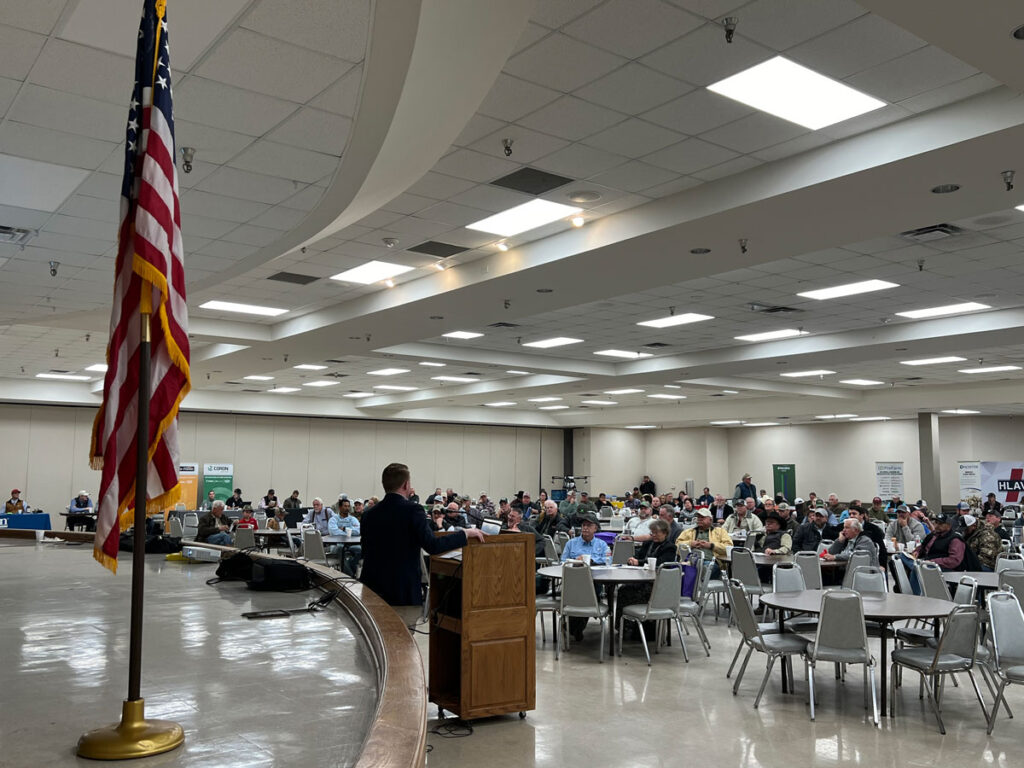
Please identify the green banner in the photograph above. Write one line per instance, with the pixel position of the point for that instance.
(220, 479)
(784, 479)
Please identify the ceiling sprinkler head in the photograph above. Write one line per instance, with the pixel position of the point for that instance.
(1008, 179)
(730, 27)
(389, 242)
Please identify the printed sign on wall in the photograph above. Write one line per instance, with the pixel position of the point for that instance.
(1005, 479)
(220, 479)
(970, 478)
(889, 478)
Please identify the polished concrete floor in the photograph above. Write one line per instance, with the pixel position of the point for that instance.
(248, 693)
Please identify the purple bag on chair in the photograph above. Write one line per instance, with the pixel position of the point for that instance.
(689, 579)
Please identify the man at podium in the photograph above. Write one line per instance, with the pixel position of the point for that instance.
(393, 533)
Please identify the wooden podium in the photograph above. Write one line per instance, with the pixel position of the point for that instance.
(483, 628)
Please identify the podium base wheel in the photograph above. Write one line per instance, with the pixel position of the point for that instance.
(522, 715)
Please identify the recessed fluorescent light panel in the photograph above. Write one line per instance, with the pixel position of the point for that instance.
(553, 408)
(799, 374)
(258, 378)
(622, 391)
(458, 379)
(727, 423)
(282, 390)
(961, 412)
(359, 394)
(98, 367)
(388, 371)
(641, 426)
(310, 367)
(950, 309)
(245, 309)
(558, 341)
(990, 369)
(785, 89)
(667, 396)
(849, 289)
(672, 320)
(600, 402)
(502, 404)
(626, 355)
(761, 424)
(730, 391)
(518, 373)
(433, 365)
(394, 388)
(63, 376)
(371, 272)
(320, 383)
(933, 360)
(838, 416)
(462, 335)
(870, 418)
(544, 399)
(785, 333)
(523, 218)
(861, 382)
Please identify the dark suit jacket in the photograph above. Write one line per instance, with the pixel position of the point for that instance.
(393, 532)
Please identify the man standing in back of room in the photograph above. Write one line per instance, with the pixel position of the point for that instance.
(647, 486)
(293, 501)
(745, 489)
(393, 532)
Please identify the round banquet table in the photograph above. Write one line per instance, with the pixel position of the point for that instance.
(985, 579)
(882, 607)
(613, 575)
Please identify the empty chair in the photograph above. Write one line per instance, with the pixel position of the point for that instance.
(823, 545)
(773, 646)
(622, 551)
(313, 546)
(245, 538)
(545, 603)
(902, 577)
(261, 520)
(174, 529)
(1006, 620)
(191, 528)
(693, 608)
(1011, 561)
(789, 577)
(579, 600)
(856, 560)
(869, 578)
(606, 511)
(745, 570)
(955, 652)
(550, 556)
(180, 506)
(931, 580)
(842, 639)
(663, 606)
(810, 564)
(561, 539)
(1013, 579)
(616, 523)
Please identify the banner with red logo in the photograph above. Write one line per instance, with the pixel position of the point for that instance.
(1005, 479)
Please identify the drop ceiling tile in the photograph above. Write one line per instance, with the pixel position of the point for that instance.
(527, 145)
(554, 13)
(287, 162)
(530, 35)
(697, 112)
(218, 105)
(250, 235)
(312, 129)
(71, 225)
(20, 51)
(633, 89)
(338, 29)
(468, 238)
(728, 168)
(476, 166)
(86, 207)
(305, 200)
(439, 186)
(477, 127)
(27, 218)
(34, 184)
(510, 98)
(194, 201)
(412, 226)
(579, 161)
(56, 241)
(672, 187)
(562, 63)
(197, 226)
(453, 214)
(280, 218)
(689, 156)
(45, 107)
(73, 68)
(378, 219)
(572, 118)
(948, 94)
(224, 249)
(781, 24)
(408, 203)
(753, 132)
(212, 145)
(702, 56)
(710, 9)
(37, 16)
(634, 176)
(917, 72)
(792, 147)
(632, 28)
(623, 203)
(342, 96)
(490, 198)
(247, 185)
(863, 43)
(875, 119)
(271, 66)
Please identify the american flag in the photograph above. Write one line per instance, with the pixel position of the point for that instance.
(149, 277)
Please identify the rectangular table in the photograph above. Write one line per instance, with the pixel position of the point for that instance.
(35, 521)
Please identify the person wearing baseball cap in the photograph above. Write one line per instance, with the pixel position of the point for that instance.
(877, 510)
(983, 541)
(995, 519)
(905, 528)
(812, 530)
(962, 509)
(15, 505)
(943, 546)
(710, 540)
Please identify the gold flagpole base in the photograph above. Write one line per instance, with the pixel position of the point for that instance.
(134, 736)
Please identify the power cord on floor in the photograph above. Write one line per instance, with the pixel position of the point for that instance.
(452, 728)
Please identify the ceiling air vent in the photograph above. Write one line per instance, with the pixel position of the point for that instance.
(770, 309)
(657, 345)
(438, 249)
(251, 390)
(336, 362)
(531, 181)
(293, 277)
(503, 325)
(932, 233)
(16, 235)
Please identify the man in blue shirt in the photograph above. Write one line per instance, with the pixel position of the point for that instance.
(345, 524)
(80, 512)
(575, 549)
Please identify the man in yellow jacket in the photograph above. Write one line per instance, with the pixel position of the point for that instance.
(707, 539)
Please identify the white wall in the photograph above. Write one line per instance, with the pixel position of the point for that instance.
(44, 451)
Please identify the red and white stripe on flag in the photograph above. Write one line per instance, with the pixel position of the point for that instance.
(149, 280)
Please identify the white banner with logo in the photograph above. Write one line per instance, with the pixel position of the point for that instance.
(970, 478)
(889, 478)
(1003, 478)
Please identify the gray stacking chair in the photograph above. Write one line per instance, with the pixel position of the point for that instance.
(313, 547)
(694, 609)
(191, 529)
(1013, 579)
(869, 578)
(955, 652)
(789, 577)
(856, 560)
(773, 646)
(932, 584)
(842, 639)
(174, 529)
(550, 553)
(745, 570)
(543, 604)
(622, 551)
(663, 606)
(579, 600)
(261, 520)
(1007, 624)
(902, 577)
(810, 564)
(561, 539)
(245, 538)
(1011, 561)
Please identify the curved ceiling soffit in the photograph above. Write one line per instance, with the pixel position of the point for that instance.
(408, 113)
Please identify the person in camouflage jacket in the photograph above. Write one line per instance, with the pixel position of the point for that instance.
(983, 541)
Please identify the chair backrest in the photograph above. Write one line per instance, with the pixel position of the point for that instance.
(683, 552)
(960, 634)
(621, 552)
(578, 585)
(244, 538)
(1007, 621)
(744, 568)
(787, 577)
(1013, 579)
(742, 611)
(1011, 561)
(616, 524)
(668, 583)
(902, 577)
(180, 506)
(174, 529)
(929, 576)
(192, 519)
(704, 571)
(606, 511)
(857, 559)
(823, 545)
(810, 564)
(313, 545)
(841, 623)
(261, 520)
(869, 578)
(550, 550)
(966, 589)
(561, 538)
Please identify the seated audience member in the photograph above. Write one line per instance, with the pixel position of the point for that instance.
(789, 522)
(920, 513)
(370, 503)
(528, 506)
(269, 501)
(277, 522)
(602, 501)
(640, 524)
(357, 509)
(293, 501)
(705, 498)
(812, 500)
(503, 509)
(720, 509)
(991, 504)
(435, 498)
(319, 516)
(776, 539)
(905, 529)
(15, 505)
(337, 505)
(800, 510)
(963, 509)
(852, 539)
(207, 504)
(894, 502)
(872, 531)
(686, 510)
(82, 505)
(995, 519)
(567, 507)
(474, 516)
(707, 539)
(454, 518)
(835, 507)
(586, 505)
(663, 551)
(413, 496)
(877, 510)
(667, 513)
(437, 518)
(517, 525)
(485, 505)
(549, 522)
(744, 519)
(541, 498)
(247, 520)
(235, 500)
(983, 541)
(586, 543)
(345, 524)
(811, 532)
(214, 526)
(944, 547)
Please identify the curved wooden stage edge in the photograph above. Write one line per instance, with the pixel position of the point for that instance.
(397, 736)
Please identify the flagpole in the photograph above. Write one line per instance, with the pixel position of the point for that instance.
(135, 736)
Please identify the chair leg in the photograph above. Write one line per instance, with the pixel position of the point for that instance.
(622, 622)
(810, 687)
(682, 643)
(643, 638)
(604, 631)
(990, 682)
(735, 657)
(543, 639)
(764, 680)
(977, 690)
(743, 669)
(995, 707)
(874, 693)
(893, 669)
(934, 704)
(703, 635)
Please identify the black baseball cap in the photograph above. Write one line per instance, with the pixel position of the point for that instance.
(940, 517)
